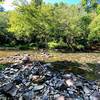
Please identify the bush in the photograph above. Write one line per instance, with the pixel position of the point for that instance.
(13, 43)
(23, 47)
(80, 47)
(52, 45)
(42, 45)
(55, 45)
(32, 45)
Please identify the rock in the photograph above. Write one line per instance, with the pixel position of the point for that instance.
(38, 87)
(59, 84)
(48, 74)
(26, 59)
(28, 95)
(27, 84)
(56, 96)
(16, 66)
(13, 91)
(2, 97)
(37, 78)
(48, 65)
(66, 76)
(7, 87)
(18, 80)
(45, 98)
(95, 96)
(86, 97)
(61, 98)
(71, 92)
(78, 83)
(38, 81)
(69, 82)
(86, 90)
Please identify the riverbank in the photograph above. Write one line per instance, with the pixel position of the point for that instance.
(50, 56)
(86, 64)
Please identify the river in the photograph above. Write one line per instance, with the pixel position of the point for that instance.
(87, 64)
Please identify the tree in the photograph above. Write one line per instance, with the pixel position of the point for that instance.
(1, 0)
(95, 29)
(3, 27)
(90, 5)
(98, 9)
(40, 23)
(66, 25)
(38, 2)
(30, 21)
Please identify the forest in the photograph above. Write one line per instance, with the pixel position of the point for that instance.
(51, 26)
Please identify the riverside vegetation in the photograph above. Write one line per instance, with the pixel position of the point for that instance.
(62, 26)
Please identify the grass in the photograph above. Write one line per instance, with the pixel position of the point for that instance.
(2, 66)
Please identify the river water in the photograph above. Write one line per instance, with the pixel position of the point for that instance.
(86, 64)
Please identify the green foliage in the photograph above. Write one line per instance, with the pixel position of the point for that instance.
(41, 25)
(95, 29)
(23, 47)
(3, 23)
(52, 45)
(4, 34)
(2, 66)
(98, 9)
(90, 5)
(45, 23)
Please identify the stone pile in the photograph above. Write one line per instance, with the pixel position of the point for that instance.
(37, 81)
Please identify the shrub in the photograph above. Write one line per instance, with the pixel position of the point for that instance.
(52, 45)
(23, 47)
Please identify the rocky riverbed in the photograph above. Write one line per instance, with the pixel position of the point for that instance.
(39, 81)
